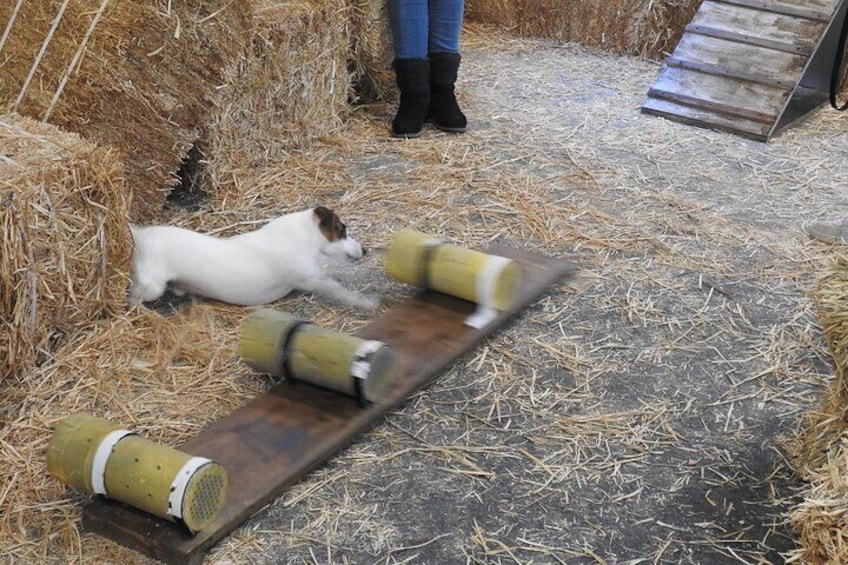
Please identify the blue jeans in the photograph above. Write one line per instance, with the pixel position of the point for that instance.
(420, 27)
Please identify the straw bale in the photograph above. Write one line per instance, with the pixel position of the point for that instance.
(821, 518)
(371, 51)
(65, 242)
(290, 88)
(819, 452)
(825, 426)
(634, 27)
(136, 75)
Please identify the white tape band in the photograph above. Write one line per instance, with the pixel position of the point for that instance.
(361, 365)
(178, 487)
(101, 458)
(485, 286)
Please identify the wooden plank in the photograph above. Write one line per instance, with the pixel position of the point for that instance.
(728, 96)
(826, 6)
(805, 49)
(808, 9)
(272, 442)
(701, 118)
(711, 106)
(760, 25)
(719, 70)
(729, 58)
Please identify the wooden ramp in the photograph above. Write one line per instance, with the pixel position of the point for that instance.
(751, 67)
(273, 441)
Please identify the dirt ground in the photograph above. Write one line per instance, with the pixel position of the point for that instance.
(636, 414)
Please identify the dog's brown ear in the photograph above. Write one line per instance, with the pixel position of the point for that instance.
(325, 216)
(330, 224)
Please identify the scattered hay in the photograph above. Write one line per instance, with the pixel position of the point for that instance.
(165, 377)
(135, 75)
(291, 87)
(65, 242)
(634, 27)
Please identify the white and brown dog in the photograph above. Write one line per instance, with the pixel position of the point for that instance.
(249, 269)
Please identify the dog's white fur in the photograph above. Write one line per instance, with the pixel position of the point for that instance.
(249, 269)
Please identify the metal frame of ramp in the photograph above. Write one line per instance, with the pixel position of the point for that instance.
(750, 67)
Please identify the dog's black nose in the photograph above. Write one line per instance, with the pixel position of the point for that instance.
(364, 251)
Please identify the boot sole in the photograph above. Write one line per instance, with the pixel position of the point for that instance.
(406, 135)
(450, 130)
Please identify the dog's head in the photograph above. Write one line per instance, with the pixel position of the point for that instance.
(335, 232)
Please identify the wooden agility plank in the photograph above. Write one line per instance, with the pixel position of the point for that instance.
(273, 441)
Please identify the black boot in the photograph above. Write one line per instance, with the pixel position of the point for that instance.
(444, 110)
(413, 80)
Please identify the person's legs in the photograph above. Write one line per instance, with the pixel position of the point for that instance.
(443, 48)
(445, 26)
(409, 20)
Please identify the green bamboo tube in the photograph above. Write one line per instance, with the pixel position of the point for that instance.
(141, 473)
(263, 340)
(421, 260)
(100, 458)
(275, 342)
(72, 447)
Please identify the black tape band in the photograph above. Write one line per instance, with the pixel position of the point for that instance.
(424, 267)
(285, 369)
(360, 394)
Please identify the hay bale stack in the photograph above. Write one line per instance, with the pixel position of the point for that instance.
(371, 51)
(65, 246)
(825, 426)
(645, 28)
(291, 87)
(135, 74)
(820, 453)
(820, 519)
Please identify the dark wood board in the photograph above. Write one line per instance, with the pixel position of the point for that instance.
(272, 442)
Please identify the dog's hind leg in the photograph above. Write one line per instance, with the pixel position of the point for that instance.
(334, 290)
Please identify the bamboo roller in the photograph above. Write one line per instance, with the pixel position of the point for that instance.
(490, 281)
(99, 457)
(279, 344)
